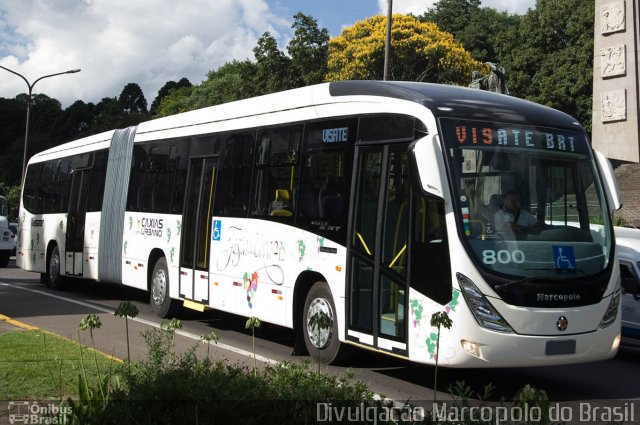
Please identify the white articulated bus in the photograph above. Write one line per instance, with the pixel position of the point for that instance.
(375, 203)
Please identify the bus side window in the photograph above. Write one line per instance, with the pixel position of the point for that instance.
(98, 176)
(31, 197)
(138, 164)
(181, 161)
(156, 194)
(275, 181)
(234, 175)
(430, 266)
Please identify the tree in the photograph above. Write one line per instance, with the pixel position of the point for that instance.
(74, 122)
(549, 57)
(479, 29)
(232, 81)
(420, 52)
(164, 91)
(175, 102)
(452, 16)
(274, 67)
(12, 123)
(132, 99)
(272, 71)
(308, 49)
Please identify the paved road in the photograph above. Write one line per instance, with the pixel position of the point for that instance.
(23, 298)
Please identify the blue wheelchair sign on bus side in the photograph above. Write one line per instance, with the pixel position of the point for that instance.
(216, 229)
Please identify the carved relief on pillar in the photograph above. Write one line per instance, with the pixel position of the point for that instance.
(613, 61)
(614, 105)
(612, 17)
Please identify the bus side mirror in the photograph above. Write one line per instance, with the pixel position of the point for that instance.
(429, 160)
(610, 183)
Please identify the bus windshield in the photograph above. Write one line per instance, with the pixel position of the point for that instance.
(528, 200)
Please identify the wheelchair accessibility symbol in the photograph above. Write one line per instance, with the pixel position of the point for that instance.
(215, 231)
(564, 257)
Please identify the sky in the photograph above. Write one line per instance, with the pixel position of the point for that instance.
(150, 42)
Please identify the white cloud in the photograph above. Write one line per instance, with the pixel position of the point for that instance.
(418, 7)
(115, 42)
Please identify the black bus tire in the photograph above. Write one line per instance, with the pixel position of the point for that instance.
(161, 303)
(55, 279)
(324, 346)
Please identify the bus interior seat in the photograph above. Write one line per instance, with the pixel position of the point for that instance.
(330, 200)
(307, 205)
(281, 204)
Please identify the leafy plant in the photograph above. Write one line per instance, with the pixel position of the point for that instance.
(170, 327)
(207, 339)
(91, 322)
(93, 399)
(320, 321)
(253, 323)
(126, 309)
(529, 397)
(439, 320)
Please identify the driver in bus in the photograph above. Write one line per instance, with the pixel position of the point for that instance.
(512, 217)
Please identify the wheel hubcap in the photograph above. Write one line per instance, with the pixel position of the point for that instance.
(319, 335)
(159, 288)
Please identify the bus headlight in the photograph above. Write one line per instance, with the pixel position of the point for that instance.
(486, 315)
(612, 311)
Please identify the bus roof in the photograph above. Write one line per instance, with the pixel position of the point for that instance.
(442, 100)
(86, 144)
(462, 102)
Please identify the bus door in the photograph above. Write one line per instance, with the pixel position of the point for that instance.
(196, 229)
(378, 233)
(76, 217)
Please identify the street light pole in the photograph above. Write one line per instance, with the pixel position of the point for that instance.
(387, 43)
(29, 101)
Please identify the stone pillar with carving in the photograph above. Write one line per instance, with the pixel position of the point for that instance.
(616, 64)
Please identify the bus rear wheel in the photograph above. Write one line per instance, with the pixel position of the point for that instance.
(161, 303)
(322, 341)
(55, 279)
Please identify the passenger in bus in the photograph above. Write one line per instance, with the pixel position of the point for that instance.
(512, 218)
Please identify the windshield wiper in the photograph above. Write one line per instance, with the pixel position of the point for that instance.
(507, 285)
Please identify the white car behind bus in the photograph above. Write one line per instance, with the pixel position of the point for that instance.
(7, 238)
(628, 243)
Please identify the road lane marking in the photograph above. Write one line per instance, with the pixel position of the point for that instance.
(185, 334)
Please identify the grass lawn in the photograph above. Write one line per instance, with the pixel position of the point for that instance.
(36, 365)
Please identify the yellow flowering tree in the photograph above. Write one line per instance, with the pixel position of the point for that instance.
(420, 51)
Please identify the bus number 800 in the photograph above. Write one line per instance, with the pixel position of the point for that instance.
(503, 256)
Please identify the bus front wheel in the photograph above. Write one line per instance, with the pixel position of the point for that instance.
(320, 326)
(161, 303)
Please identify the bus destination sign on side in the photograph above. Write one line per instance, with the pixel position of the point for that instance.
(333, 135)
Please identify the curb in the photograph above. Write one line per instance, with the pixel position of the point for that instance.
(28, 327)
